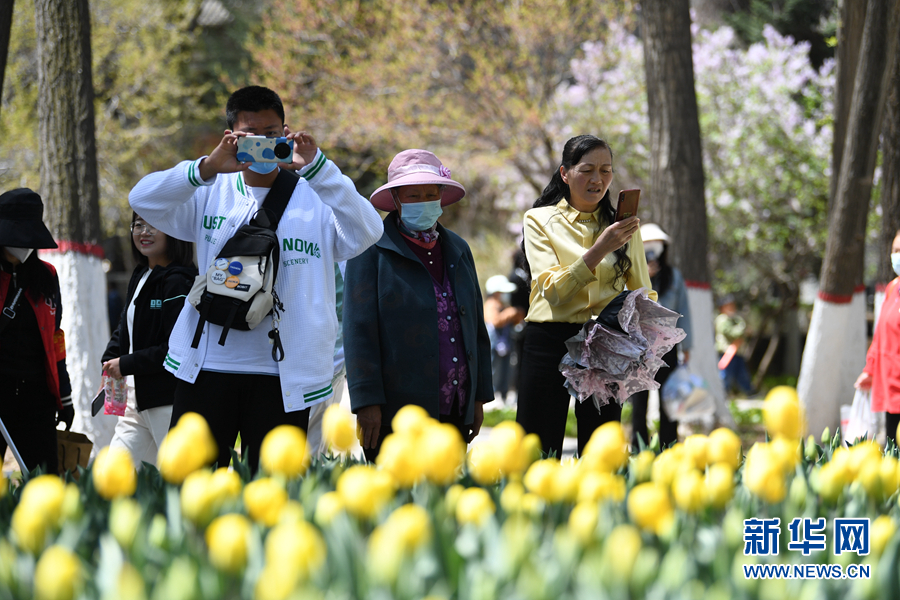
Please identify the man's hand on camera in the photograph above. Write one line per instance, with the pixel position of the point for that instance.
(305, 148)
(224, 158)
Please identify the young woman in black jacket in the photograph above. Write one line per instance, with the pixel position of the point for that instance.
(137, 349)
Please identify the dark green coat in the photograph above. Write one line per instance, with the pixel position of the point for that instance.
(391, 331)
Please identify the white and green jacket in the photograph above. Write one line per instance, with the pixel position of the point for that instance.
(326, 220)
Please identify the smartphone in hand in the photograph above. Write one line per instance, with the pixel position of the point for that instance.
(628, 204)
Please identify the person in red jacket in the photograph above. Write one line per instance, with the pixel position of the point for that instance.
(35, 394)
(882, 371)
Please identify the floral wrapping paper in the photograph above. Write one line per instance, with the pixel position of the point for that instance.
(605, 364)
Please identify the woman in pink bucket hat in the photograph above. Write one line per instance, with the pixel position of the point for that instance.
(414, 328)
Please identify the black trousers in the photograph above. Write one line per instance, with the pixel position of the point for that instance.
(543, 401)
(28, 410)
(668, 430)
(454, 418)
(891, 421)
(232, 403)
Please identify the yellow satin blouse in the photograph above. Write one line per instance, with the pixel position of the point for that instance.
(563, 289)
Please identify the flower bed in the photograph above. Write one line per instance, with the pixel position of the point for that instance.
(696, 521)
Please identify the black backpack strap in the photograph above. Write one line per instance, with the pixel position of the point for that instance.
(205, 303)
(235, 305)
(277, 199)
(9, 313)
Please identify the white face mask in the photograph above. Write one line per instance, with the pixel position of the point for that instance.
(21, 253)
(653, 250)
(895, 262)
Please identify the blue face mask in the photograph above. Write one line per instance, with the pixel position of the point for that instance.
(263, 167)
(421, 216)
(895, 262)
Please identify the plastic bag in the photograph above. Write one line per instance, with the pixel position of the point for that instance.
(116, 395)
(861, 420)
(685, 396)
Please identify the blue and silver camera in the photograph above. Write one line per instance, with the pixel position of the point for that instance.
(259, 148)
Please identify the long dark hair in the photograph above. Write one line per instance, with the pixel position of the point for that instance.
(32, 275)
(663, 280)
(558, 189)
(177, 251)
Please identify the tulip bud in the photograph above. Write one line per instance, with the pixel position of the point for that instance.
(57, 575)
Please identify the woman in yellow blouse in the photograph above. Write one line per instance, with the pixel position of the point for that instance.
(580, 261)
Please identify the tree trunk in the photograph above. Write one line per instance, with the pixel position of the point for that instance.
(6, 14)
(70, 191)
(835, 348)
(676, 168)
(890, 172)
(850, 33)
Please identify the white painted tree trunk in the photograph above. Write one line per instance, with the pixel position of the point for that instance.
(704, 359)
(86, 324)
(834, 356)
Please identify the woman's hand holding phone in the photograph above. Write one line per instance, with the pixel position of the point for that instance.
(611, 239)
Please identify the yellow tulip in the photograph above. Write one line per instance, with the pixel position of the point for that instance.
(724, 447)
(484, 463)
(113, 473)
(719, 485)
(829, 482)
(696, 446)
(4, 484)
(444, 453)
(264, 499)
(58, 575)
(511, 497)
(297, 547)
(787, 451)
(474, 506)
(275, 583)
(689, 491)
(451, 498)
(669, 464)
(890, 477)
(532, 504)
(328, 507)
(782, 413)
(195, 428)
(529, 451)
(187, 447)
(30, 528)
(764, 473)
(410, 419)
(224, 485)
(7, 563)
(650, 508)
(600, 487)
(337, 428)
(71, 509)
(861, 454)
(541, 479)
(284, 452)
(506, 439)
(410, 525)
(196, 501)
(642, 466)
(883, 529)
(226, 538)
(384, 556)
(565, 482)
(130, 585)
(365, 491)
(400, 456)
(291, 512)
(124, 519)
(583, 522)
(45, 495)
(607, 449)
(621, 549)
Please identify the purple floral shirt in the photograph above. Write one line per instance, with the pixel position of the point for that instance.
(453, 370)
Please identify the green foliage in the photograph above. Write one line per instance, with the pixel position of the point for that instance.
(813, 21)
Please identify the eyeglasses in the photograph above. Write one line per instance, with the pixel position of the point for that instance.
(142, 228)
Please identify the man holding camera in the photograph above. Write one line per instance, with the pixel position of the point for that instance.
(239, 386)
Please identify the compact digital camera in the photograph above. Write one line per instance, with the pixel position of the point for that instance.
(258, 148)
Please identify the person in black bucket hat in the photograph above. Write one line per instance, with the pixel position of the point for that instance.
(35, 393)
